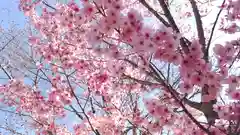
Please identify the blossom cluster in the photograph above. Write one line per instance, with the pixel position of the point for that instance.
(111, 50)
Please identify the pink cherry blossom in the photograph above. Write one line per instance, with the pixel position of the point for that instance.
(118, 74)
(186, 87)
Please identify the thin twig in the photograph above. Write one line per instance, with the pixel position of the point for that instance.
(8, 43)
(11, 130)
(139, 81)
(21, 114)
(4, 70)
(82, 109)
(46, 4)
(238, 54)
(212, 31)
(168, 72)
(76, 112)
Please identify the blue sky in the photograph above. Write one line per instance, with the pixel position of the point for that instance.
(9, 13)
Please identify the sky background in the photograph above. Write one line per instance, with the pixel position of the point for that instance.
(9, 13)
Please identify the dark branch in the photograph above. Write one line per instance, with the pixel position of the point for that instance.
(78, 102)
(212, 31)
(76, 112)
(173, 24)
(234, 60)
(5, 71)
(168, 15)
(199, 26)
(176, 97)
(11, 130)
(192, 104)
(154, 12)
(7, 43)
(46, 4)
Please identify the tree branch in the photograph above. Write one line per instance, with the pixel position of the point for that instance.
(173, 25)
(76, 112)
(199, 26)
(8, 43)
(212, 31)
(21, 114)
(46, 4)
(154, 12)
(192, 104)
(168, 15)
(235, 59)
(4, 70)
(11, 130)
(139, 81)
(175, 96)
(82, 109)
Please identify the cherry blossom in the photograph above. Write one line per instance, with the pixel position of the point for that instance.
(105, 60)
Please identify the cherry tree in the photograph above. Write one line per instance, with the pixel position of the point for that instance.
(17, 61)
(104, 57)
